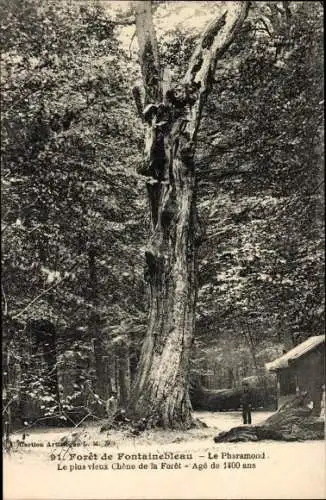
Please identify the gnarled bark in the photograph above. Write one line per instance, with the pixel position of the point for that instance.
(160, 394)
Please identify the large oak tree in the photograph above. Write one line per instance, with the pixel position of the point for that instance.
(172, 117)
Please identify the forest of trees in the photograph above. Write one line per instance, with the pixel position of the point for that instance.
(162, 200)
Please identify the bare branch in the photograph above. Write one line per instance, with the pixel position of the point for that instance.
(124, 22)
(5, 303)
(263, 21)
(214, 42)
(166, 82)
(148, 51)
(131, 42)
(4, 228)
(44, 292)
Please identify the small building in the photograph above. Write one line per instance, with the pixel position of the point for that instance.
(302, 369)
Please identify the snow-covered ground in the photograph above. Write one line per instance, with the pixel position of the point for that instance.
(189, 465)
(223, 421)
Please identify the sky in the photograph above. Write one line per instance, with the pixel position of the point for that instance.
(187, 16)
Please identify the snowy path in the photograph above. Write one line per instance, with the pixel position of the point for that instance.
(284, 470)
(223, 421)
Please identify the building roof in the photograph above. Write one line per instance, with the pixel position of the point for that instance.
(295, 353)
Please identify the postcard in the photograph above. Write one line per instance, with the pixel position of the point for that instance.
(163, 250)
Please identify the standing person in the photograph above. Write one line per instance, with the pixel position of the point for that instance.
(246, 404)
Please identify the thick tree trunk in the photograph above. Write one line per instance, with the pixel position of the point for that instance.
(124, 375)
(162, 383)
(103, 384)
(45, 340)
(95, 324)
(171, 119)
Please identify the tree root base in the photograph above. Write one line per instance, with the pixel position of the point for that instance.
(138, 425)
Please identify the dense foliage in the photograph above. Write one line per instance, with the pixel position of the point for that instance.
(260, 189)
(70, 237)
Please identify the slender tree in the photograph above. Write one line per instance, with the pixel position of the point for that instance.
(172, 117)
